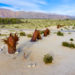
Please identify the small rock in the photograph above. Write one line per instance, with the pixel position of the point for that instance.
(0, 49)
(29, 66)
(34, 65)
(16, 52)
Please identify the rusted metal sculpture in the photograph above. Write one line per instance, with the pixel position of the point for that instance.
(11, 42)
(59, 26)
(46, 32)
(16, 37)
(36, 35)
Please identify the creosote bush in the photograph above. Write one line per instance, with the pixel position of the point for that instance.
(60, 33)
(42, 32)
(70, 45)
(71, 39)
(47, 59)
(22, 34)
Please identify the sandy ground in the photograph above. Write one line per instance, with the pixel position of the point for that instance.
(17, 64)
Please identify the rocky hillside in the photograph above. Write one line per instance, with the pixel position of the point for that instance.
(22, 14)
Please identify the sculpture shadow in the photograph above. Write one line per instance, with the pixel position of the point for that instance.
(25, 48)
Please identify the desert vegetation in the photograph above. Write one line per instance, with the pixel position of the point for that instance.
(10, 21)
(29, 35)
(22, 34)
(47, 59)
(67, 44)
(59, 33)
(59, 26)
(26, 51)
(41, 31)
(71, 39)
(35, 23)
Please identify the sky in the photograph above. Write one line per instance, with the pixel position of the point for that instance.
(64, 7)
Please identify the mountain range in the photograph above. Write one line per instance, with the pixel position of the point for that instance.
(30, 15)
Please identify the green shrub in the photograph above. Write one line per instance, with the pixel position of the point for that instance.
(47, 59)
(29, 35)
(71, 39)
(61, 29)
(60, 33)
(10, 21)
(42, 32)
(22, 34)
(65, 44)
(70, 45)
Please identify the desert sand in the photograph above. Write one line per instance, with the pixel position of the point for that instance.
(32, 53)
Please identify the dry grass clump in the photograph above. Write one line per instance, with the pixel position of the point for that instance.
(29, 35)
(22, 34)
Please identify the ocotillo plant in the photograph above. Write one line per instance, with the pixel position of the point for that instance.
(11, 42)
(46, 32)
(36, 35)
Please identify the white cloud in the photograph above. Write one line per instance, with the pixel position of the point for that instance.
(35, 5)
(24, 4)
(64, 9)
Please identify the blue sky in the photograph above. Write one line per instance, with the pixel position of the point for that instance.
(65, 7)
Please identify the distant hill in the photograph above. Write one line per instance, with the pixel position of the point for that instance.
(22, 14)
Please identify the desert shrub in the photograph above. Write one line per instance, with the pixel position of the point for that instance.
(16, 26)
(47, 59)
(60, 33)
(69, 33)
(70, 45)
(42, 32)
(2, 26)
(66, 28)
(71, 39)
(65, 44)
(22, 34)
(29, 35)
(73, 27)
(61, 29)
